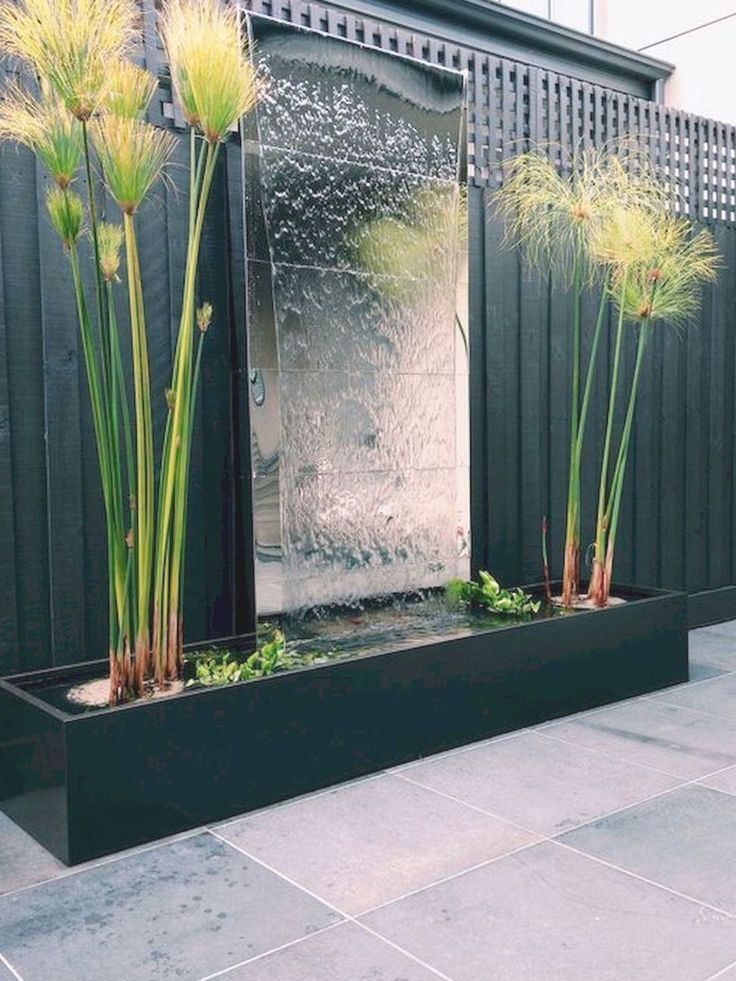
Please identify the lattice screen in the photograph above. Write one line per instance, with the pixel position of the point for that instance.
(513, 105)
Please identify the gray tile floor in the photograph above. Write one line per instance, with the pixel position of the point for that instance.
(595, 848)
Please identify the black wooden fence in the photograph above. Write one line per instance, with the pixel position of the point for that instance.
(678, 526)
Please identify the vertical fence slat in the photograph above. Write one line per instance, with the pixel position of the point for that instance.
(696, 442)
(242, 548)
(503, 398)
(8, 597)
(63, 365)
(215, 419)
(720, 432)
(672, 453)
(18, 221)
(534, 356)
(478, 387)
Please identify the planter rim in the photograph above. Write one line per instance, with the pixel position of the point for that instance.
(21, 685)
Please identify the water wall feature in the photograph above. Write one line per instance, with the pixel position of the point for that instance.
(358, 361)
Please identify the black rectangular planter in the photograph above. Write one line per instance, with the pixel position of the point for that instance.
(86, 785)
(711, 606)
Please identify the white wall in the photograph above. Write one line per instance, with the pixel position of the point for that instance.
(683, 33)
(571, 13)
(699, 38)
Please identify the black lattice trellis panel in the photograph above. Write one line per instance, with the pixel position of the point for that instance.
(512, 105)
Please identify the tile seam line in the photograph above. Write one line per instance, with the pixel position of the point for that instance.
(620, 759)
(585, 713)
(644, 697)
(666, 773)
(281, 805)
(718, 790)
(719, 974)
(544, 728)
(368, 777)
(611, 756)
(538, 839)
(689, 708)
(6, 963)
(272, 950)
(601, 817)
(68, 873)
(451, 877)
(551, 840)
(459, 750)
(216, 826)
(642, 878)
(539, 835)
(354, 919)
(347, 917)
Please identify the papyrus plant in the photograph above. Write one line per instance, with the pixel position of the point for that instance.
(89, 109)
(658, 267)
(553, 215)
(214, 80)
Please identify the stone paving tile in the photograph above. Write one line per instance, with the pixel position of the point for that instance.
(549, 914)
(728, 975)
(23, 862)
(724, 781)
(362, 845)
(184, 910)
(447, 754)
(726, 629)
(711, 650)
(540, 783)
(683, 840)
(345, 953)
(5, 974)
(700, 672)
(716, 696)
(650, 732)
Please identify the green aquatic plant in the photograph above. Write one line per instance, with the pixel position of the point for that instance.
(133, 154)
(659, 265)
(214, 80)
(215, 667)
(554, 215)
(222, 667)
(44, 125)
(489, 594)
(70, 44)
(128, 90)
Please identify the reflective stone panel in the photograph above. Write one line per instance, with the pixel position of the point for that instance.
(358, 382)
